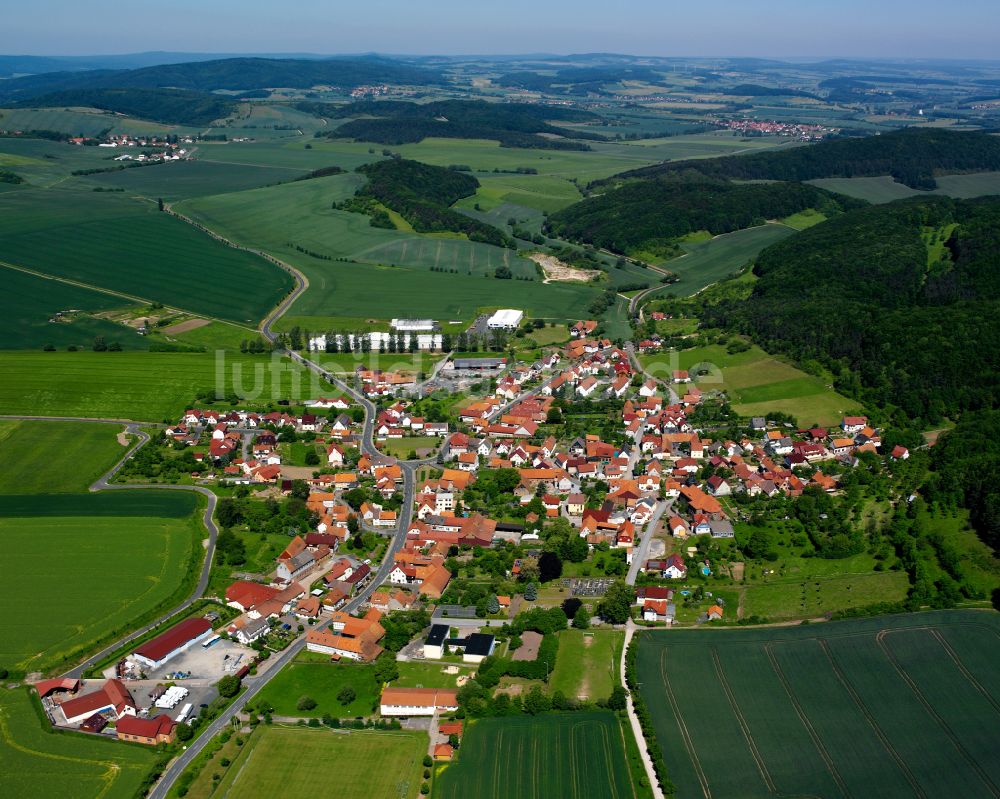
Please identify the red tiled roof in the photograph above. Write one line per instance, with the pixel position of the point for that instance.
(175, 637)
(145, 728)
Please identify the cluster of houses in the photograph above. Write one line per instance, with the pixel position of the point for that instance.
(397, 421)
(243, 446)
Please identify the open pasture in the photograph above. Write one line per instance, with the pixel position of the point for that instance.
(362, 764)
(122, 244)
(280, 218)
(44, 163)
(79, 121)
(708, 262)
(885, 189)
(29, 304)
(755, 382)
(109, 572)
(898, 706)
(55, 457)
(566, 755)
(152, 386)
(322, 682)
(196, 178)
(36, 763)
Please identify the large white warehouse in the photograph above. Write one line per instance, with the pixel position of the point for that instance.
(505, 319)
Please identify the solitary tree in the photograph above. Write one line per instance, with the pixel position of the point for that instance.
(305, 703)
(229, 686)
(347, 695)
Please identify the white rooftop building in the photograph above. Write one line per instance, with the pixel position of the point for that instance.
(413, 325)
(505, 319)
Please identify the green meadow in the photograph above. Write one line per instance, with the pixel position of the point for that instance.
(362, 764)
(380, 273)
(151, 386)
(30, 303)
(33, 762)
(55, 533)
(756, 382)
(322, 682)
(885, 189)
(183, 179)
(84, 122)
(55, 457)
(109, 241)
(710, 261)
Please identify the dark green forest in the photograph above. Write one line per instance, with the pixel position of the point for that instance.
(512, 124)
(966, 471)
(228, 73)
(171, 106)
(899, 301)
(421, 194)
(911, 156)
(647, 215)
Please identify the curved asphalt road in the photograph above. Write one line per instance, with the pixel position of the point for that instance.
(253, 684)
(104, 483)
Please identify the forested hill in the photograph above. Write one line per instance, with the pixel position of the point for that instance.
(422, 194)
(900, 301)
(966, 462)
(646, 215)
(228, 73)
(512, 124)
(912, 156)
(172, 106)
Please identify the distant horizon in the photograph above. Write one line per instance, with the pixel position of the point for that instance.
(853, 29)
(791, 59)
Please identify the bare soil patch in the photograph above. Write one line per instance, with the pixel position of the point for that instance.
(556, 270)
(185, 326)
(530, 644)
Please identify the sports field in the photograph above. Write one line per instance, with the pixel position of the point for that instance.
(155, 386)
(29, 305)
(38, 764)
(587, 665)
(322, 682)
(565, 755)
(899, 706)
(113, 242)
(756, 382)
(55, 457)
(360, 764)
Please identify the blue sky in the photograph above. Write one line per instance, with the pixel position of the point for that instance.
(778, 28)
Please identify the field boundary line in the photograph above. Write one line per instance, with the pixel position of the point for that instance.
(870, 718)
(682, 727)
(915, 689)
(965, 672)
(744, 727)
(817, 741)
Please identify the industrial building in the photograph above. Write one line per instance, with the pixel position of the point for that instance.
(505, 319)
(155, 653)
(414, 325)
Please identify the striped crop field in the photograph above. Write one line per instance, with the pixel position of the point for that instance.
(565, 755)
(897, 706)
